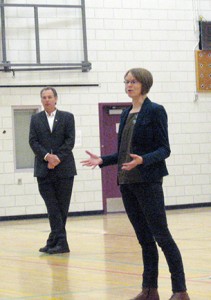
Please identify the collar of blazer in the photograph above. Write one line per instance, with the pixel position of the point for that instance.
(141, 115)
(45, 120)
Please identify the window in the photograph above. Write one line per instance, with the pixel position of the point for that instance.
(24, 157)
(43, 37)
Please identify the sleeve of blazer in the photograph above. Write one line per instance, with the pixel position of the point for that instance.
(38, 149)
(161, 141)
(109, 160)
(69, 137)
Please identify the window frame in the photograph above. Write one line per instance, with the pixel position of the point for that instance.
(36, 108)
(7, 66)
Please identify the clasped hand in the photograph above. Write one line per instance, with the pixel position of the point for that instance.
(53, 161)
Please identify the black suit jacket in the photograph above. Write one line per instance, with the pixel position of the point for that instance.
(60, 142)
(149, 140)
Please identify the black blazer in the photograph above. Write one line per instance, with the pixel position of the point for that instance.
(60, 142)
(149, 140)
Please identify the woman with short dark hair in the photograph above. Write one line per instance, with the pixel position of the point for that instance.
(143, 146)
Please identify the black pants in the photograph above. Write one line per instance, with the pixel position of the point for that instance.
(144, 204)
(56, 192)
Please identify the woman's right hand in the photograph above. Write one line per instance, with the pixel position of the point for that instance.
(92, 161)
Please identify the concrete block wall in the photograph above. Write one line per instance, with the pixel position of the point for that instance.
(155, 34)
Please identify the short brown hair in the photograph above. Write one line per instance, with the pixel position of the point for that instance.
(144, 77)
(49, 88)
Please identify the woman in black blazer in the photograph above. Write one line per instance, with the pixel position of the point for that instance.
(143, 146)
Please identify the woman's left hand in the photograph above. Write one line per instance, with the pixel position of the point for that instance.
(136, 160)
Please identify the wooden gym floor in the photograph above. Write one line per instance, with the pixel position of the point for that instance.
(105, 258)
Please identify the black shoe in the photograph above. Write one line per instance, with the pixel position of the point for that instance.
(44, 249)
(58, 249)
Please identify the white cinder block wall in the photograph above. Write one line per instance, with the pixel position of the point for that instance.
(159, 35)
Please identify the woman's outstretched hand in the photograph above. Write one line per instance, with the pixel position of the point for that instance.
(92, 161)
(136, 160)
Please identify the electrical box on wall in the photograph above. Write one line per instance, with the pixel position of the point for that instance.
(205, 35)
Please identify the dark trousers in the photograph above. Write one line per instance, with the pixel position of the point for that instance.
(144, 204)
(56, 192)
